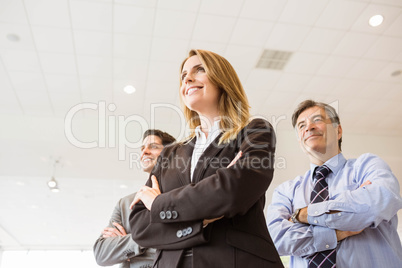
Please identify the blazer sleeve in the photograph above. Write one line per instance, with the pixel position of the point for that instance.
(113, 250)
(228, 192)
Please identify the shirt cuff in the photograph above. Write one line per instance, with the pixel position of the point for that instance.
(324, 238)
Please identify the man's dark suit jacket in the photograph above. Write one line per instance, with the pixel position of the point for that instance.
(175, 222)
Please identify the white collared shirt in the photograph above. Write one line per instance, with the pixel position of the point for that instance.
(202, 143)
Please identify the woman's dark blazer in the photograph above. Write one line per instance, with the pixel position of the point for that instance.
(175, 222)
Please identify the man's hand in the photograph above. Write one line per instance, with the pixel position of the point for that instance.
(113, 232)
(340, 235)
(147, 194)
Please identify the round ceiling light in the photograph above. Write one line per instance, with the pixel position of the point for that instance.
(13, 37)
(129, 89)
(396, 73)
(376, 20)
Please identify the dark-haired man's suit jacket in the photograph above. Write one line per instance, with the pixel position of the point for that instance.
(175, 222)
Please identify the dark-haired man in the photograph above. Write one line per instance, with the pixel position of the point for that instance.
(115, 245)
(340, 213)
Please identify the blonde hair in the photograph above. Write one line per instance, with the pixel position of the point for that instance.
(233, 104)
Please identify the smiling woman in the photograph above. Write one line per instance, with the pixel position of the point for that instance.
(210, 213)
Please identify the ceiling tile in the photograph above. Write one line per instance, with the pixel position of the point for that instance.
(297, 63)
(93, 43)
(162, 91)
(219, 48)
(261, 80)
(12, 11)
(321, 40)
(38, 109)
(65, 101)
(130, 69)
(280, 99)
(95, 89)
(20, 60)
(355, 44)
(10, 107)
(170, 24)
(392, 92)
(57, 83)
(340, 14)
(395, 28)
(27, 81)
(292, 83)
(183, 5)
(242, 35)
(164, 71)
(138, 3)
(388, 12)
(385, 73)
(388, 2)
(22, 31)
(169, 49)
(220, 7)
(336, 66)
(245, 56)
(133, 20)
(365, 68)
(91, 15)
(321, 85)
(351, 88)
(303, 12)
(53, 13)
(262, 9)
(58, 63)
(386, 48)
(33, 98)
(94, 66)
(213, 28)
(53, 39)
(287, 37)
(380, 90)
(132, 46)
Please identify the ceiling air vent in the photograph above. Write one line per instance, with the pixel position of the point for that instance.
(274, 59)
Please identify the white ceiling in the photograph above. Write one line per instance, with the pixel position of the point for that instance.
(71, 52)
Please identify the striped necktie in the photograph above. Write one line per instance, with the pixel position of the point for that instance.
(327, 258)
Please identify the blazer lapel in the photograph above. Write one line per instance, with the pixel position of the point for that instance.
(183, 162)
(206, 157)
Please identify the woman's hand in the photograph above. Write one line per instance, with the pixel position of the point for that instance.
(147, 194)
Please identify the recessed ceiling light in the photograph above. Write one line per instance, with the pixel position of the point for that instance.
(129, 89)
(376, 20)
(396, 73)
(123, 186)
(13, 37)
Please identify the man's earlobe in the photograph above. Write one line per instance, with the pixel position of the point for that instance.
(339, 131)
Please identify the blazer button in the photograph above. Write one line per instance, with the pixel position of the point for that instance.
(184, 231)
(168, 214)
(162, 215)
(174, 214)
(179, 233)
(189, 230)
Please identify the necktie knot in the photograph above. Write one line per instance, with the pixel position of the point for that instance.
(321, 172)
